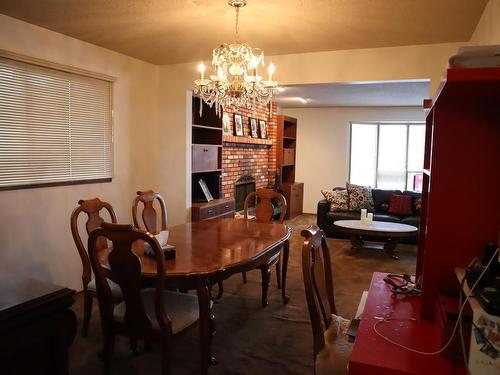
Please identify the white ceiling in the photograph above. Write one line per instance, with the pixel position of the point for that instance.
(358, 94)
(173, 31)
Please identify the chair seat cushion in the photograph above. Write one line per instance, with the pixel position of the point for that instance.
(181, 308)
(115, 288)
(333, 359)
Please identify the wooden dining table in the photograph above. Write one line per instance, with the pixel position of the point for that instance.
(210, 251)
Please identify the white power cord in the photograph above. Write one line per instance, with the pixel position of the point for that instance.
(415, 319)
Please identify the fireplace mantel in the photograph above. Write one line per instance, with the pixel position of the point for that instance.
(246, 140)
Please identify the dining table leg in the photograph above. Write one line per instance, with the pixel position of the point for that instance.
(286, 250)
(206, 326)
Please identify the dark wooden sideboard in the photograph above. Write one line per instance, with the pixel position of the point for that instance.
(218, 208)
(36, 326)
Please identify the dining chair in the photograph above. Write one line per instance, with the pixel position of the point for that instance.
(149, 218)
(149, 314)
(92, 208)
(264, 213)
(149, 215)
(331, 347)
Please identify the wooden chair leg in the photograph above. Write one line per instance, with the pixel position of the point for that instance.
(87, 312)
(278, 273)
(220, 286)
(213, 360)
(266, 275)
(244, 274)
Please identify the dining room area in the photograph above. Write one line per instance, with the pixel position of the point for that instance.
(243, 333)
(243, 187)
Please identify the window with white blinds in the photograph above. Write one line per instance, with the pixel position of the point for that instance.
(55, 126)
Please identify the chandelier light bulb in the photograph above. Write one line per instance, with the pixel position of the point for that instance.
(201, 69)
(271, 71)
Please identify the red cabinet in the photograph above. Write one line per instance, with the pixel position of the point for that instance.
(461, 195)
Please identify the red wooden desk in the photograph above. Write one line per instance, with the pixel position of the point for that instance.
(372, 355)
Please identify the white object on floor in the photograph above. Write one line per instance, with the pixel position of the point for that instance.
(362, 303)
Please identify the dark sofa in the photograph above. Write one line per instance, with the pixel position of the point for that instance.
(381, 199)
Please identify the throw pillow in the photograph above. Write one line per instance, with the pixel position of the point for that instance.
(339, 199)
(359, 197)
(417, 205)
(400, 205)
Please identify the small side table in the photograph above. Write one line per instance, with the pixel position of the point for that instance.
(36, 326)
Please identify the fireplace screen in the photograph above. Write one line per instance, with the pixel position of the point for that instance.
(242, 187)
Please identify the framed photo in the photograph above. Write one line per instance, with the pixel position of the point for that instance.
(263, 128)
(238, 124)
(253, 127)
(226, 124)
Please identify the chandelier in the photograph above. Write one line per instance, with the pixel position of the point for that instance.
(235, 80)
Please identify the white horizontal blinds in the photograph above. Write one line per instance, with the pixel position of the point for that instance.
(54, 126)
(90, 128)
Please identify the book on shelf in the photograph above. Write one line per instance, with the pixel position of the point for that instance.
(206, 192)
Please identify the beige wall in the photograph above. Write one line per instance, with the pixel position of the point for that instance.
(34, 230)
(488, 28)
(323, 143)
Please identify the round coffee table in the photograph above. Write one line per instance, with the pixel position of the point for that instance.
(390, 233)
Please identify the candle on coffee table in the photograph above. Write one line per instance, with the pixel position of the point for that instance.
(369, 218)
(363, 216)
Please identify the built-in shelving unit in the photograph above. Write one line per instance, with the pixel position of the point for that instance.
(206, 164)
(285, 162)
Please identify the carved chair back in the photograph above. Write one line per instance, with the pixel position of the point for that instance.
(93, 208)
(149, 214)
(125, 270)
(264, 209)
(318, 283)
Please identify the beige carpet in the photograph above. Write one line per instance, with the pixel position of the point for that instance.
(250, 339)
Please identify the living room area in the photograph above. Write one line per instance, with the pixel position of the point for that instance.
(299, 205)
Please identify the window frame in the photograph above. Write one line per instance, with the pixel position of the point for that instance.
(75, 71)
(377, 124)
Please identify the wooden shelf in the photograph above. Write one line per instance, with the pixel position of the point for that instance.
(205, 144)
(246, 140)
(290, 138)
(207, 127)
(208, 170)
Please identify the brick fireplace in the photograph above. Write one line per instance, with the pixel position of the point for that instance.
(246, 156)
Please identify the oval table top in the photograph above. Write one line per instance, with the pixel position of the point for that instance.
(210, 246)
(376, 227)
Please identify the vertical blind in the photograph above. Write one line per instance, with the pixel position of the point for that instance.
(55, 126)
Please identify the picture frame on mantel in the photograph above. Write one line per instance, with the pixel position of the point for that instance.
(253, 127)
(263, 129)
(238, 124)
(226, 124)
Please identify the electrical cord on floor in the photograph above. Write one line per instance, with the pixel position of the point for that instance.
(415, 319)
(462, 341)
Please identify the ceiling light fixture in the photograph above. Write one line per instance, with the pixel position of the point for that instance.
(236, 80)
